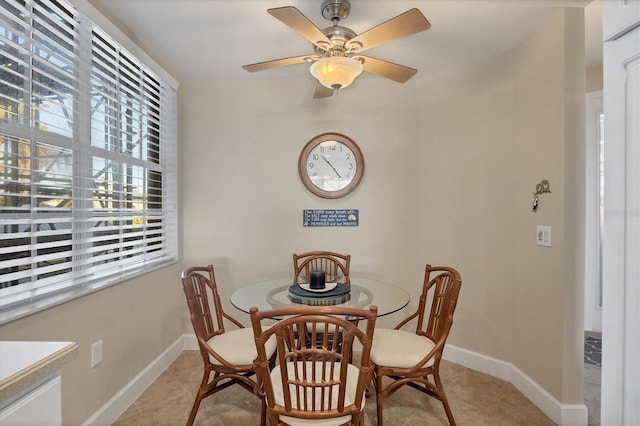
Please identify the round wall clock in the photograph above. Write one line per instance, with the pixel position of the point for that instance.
(331, 165)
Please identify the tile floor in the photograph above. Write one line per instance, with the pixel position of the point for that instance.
(476, 399)
(593, 350)
(591, 392)
(592, 367)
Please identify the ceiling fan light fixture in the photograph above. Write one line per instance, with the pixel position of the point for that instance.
(336, 72)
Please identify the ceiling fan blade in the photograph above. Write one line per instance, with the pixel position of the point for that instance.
(322, 91)
(395, 72)
(293, 18)
(410, 22)
(260, 66)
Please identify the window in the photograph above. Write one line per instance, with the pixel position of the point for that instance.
(88, 182)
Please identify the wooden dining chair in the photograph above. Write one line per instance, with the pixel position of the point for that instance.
(314, 382)
(411, 358)
(227, 354)
(334, 265)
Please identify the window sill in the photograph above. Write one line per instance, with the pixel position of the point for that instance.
(15, 312)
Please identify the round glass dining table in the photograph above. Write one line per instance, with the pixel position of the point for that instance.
(266, 295)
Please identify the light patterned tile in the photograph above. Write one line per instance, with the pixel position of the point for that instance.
(513, 409)
(476, 399)
(132, 417)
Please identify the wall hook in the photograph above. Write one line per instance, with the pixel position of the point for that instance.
(541, 188)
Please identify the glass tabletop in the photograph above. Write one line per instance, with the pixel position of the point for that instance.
(364, 292)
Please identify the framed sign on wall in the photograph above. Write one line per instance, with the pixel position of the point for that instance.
(334, 217)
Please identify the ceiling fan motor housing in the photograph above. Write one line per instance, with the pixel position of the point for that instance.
(339, 36)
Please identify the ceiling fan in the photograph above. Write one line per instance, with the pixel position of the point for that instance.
(338, 58)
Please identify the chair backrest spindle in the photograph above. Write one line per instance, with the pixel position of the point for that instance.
(335, 266)
(314, 379)
(438, 291)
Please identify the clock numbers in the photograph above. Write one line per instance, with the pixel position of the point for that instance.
(330, 165)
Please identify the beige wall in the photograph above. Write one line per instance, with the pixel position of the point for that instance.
(594, 79)
(451, 162)
(488, 135)
(243, 199)
(466, 196)
(549, 115)
(137, 320)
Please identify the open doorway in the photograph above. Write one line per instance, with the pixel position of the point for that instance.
(594, 210)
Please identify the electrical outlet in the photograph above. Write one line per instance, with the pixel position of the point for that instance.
(96, 353)
(543, 236)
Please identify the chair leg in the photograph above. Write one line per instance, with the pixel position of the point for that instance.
(443, 399)
(202, 391)
(378, 389)
(263, 412)
(194, 409)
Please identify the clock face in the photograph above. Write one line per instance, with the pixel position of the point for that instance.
(331, 165)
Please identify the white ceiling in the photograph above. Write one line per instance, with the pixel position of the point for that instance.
(212, 39)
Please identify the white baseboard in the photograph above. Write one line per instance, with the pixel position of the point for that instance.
(561, 414)
(190, 342)
(110, 411)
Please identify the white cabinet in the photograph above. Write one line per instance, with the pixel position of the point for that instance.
(621, 16)
(621, 248)
(30, 382)
(41, 405)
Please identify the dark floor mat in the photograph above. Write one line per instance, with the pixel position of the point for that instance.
(593, 350)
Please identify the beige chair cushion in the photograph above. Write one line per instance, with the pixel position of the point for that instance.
(238, 346)
(399, 348)
(352, 382)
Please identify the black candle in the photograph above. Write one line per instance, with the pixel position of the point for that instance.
(316, 280)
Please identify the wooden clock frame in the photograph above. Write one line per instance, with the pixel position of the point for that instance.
(315, 141)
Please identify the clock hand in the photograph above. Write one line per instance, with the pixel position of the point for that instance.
(334, 169)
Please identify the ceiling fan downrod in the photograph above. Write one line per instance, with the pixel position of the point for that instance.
(335, 10)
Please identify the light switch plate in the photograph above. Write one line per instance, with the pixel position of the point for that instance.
(96, 353)
(543, 236)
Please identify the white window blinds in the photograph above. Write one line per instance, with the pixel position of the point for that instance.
(87, 159)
